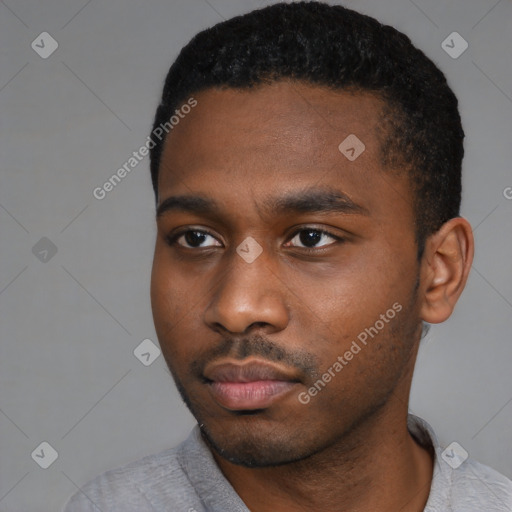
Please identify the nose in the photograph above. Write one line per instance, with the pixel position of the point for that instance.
(248, 295)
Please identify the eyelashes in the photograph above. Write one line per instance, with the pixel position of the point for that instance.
(192, 239)
(317, 232)
(173, 239)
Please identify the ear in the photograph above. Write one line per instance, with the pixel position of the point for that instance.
(445, 267)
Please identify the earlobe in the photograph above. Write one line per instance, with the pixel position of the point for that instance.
(445, 267)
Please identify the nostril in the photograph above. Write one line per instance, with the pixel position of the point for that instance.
(255, 325)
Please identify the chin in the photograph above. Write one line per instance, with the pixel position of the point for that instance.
(257, 438)
(252, 446)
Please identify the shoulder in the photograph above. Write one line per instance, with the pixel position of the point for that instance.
(481, 487)
(152, 483)
(460, 483)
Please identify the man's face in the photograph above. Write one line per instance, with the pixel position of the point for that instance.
(294, 254)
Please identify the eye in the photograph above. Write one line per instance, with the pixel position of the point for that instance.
(310, 238)
(193, 239)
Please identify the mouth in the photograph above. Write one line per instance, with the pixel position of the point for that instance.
(249, 386)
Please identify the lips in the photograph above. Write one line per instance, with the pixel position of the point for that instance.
(249, 386)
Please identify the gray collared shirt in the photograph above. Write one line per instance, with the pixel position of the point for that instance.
(187, 479)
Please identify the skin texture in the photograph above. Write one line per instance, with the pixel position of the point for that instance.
(300, 309)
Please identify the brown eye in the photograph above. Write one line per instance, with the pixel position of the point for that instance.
(193, 239)
(313, 238)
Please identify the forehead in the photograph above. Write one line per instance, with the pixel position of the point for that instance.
(243, 146)
(285, 124)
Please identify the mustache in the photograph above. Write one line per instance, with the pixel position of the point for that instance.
(257, 345)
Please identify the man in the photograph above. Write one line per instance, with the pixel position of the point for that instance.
(307, 194)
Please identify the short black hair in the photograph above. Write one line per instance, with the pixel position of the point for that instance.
(338, 48)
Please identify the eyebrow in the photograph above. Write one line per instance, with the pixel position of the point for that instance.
(317, 200)
(192, 204)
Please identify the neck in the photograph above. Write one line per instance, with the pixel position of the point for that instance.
(376, 466)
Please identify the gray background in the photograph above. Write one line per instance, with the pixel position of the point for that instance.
(69, 325)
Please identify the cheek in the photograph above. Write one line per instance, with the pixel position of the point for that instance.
(346, 298)
(360, 365)
(171, 293)
(176, 302)
(160, 291)
(362, 306)
(170, 301)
